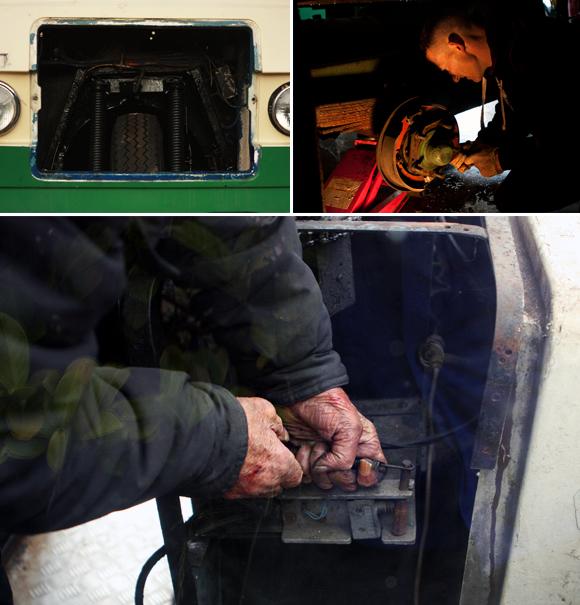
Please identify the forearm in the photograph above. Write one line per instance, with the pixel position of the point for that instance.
(131, 435)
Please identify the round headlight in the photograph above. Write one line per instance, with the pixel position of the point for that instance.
(279, 108)
(9, 108)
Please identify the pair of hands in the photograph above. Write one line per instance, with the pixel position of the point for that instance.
(329, 432)
(483, 157)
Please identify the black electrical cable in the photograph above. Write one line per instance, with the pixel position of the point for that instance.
(251, 553)
(431, 439)
(145, 571)
(209, 525)
(428, 482)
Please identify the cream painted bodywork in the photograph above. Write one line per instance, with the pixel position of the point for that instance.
(21, 134)
(544, 562)
(270, 20)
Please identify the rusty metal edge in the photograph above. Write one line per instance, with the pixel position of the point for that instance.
(495, 510)
(348, 225)
(501, 375)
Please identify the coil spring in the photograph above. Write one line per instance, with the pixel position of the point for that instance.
(97, 145)
(176, 127)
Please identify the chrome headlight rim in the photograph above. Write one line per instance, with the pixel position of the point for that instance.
(274, 99)
(16, 115)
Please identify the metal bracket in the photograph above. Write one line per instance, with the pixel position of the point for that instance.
(364, 518)
(314, 516)
(438, 227)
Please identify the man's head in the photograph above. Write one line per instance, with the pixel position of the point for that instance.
(458, 46)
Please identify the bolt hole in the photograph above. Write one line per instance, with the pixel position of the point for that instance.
(508, 351)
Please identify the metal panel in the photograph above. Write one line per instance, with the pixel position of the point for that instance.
(352, 224)
(494, 517)
(386, 489)
(501, 376)
(543, 565)
(270, 19)
(298, 528)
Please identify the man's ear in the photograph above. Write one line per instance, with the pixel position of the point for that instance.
(456, 42)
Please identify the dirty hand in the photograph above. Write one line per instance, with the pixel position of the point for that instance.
(483, 157)
(269, 465)
(331, 433)
(465, 150)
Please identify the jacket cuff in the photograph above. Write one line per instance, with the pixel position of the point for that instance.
(225, 463)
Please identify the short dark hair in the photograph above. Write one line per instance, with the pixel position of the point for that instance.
(470, 13)
(520, 14)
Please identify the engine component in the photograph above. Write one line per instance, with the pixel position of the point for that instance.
(176, 126)
(310, 515)
(97, 148)
(314, 516)
(192, 82)
(417, 141)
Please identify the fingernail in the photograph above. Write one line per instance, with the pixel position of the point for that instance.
(365, 468)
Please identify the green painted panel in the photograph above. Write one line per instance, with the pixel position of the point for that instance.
(269, 191)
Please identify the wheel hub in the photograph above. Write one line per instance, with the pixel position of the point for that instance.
(417, 141)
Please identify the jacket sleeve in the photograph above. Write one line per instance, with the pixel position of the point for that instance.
(98, 439)
(262, 302)
(78, 439)
(540, 86)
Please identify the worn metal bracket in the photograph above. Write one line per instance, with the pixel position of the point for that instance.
(300, 528)
(348, 224)
(314, 516)
(386, 489)
(364, 519)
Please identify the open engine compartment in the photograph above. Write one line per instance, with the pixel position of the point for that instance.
(144, 99)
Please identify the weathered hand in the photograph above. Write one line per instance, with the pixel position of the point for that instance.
(331, 433)
(459, 158)
(485, 159)
(269, 465)
(458, 162)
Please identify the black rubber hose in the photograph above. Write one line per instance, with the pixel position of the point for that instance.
(176, 126)
(145, 571)
(98, 125)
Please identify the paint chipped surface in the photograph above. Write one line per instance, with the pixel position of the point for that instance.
(269, 19)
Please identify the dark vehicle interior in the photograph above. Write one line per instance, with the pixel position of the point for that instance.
(355, 63)
(398, 301)
(138, 99)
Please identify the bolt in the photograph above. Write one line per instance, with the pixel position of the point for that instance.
(405, 475)
(400, 518)
(391, 582)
